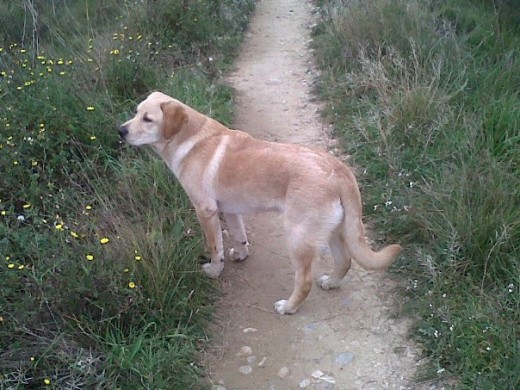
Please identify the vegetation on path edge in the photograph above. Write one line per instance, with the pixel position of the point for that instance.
(425, 97)
(99, 247)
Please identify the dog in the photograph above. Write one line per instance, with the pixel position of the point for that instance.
(230, 172)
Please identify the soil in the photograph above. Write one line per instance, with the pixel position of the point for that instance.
(339, 339)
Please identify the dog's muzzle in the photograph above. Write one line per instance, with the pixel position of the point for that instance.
(123, 132)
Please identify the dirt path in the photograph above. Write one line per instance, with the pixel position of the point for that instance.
(346, 334)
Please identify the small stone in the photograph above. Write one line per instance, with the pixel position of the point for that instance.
(305, 383)
(273, 82)
(245, 351)
(317, 374)
(251, 359)
(250, 330)
(246, 370)
(343, 359)
(309, 327)
(328, 379)
(283, 372)
(261, 364)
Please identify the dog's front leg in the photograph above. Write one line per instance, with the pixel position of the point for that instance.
(210, 222)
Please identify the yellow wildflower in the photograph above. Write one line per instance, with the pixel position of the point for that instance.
(131, 285)
(21, 266)
(47, 381)
(74, 234)
(90, 108)
(104, 240)
(59, 227)
(10, 265)
(89, 257)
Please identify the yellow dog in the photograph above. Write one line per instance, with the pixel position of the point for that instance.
(229, 171)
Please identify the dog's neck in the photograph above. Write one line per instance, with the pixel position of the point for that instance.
(174, 150)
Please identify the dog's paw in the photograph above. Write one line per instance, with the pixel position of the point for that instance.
(326, 283)
(238, 255)
(211, 270)
(281, 307)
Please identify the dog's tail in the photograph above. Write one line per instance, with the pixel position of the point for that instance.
(354, 233)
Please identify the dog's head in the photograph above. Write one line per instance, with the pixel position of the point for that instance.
(158, 118)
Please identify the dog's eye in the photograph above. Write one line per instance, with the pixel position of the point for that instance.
(147, 119)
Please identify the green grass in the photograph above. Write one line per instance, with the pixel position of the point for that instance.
(99, 247)
(425, 97)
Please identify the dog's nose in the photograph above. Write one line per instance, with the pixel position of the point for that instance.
(123, 131)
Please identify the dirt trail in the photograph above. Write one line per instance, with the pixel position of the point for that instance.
(346, 333)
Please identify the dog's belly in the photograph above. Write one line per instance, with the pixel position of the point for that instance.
(249, 206)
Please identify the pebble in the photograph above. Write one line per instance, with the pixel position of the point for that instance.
(262, 362)
(250, 330)
(283, 372)
(309, 327)
(245, 351)
(246, 370)
(251, 359)
(343, 359)
(305, 383)
(317, 374)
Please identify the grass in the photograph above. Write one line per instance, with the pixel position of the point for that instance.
(425, 97)
(99, 247)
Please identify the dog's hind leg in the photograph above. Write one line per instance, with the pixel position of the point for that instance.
(302, 247)
(342, 261)
(301, 257)
(236, 227)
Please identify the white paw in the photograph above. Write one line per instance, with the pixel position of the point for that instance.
(280, 306)
(211, 270)
(326, 283)
(236, 255)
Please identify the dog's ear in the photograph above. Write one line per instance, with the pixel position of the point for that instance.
(174, 116)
